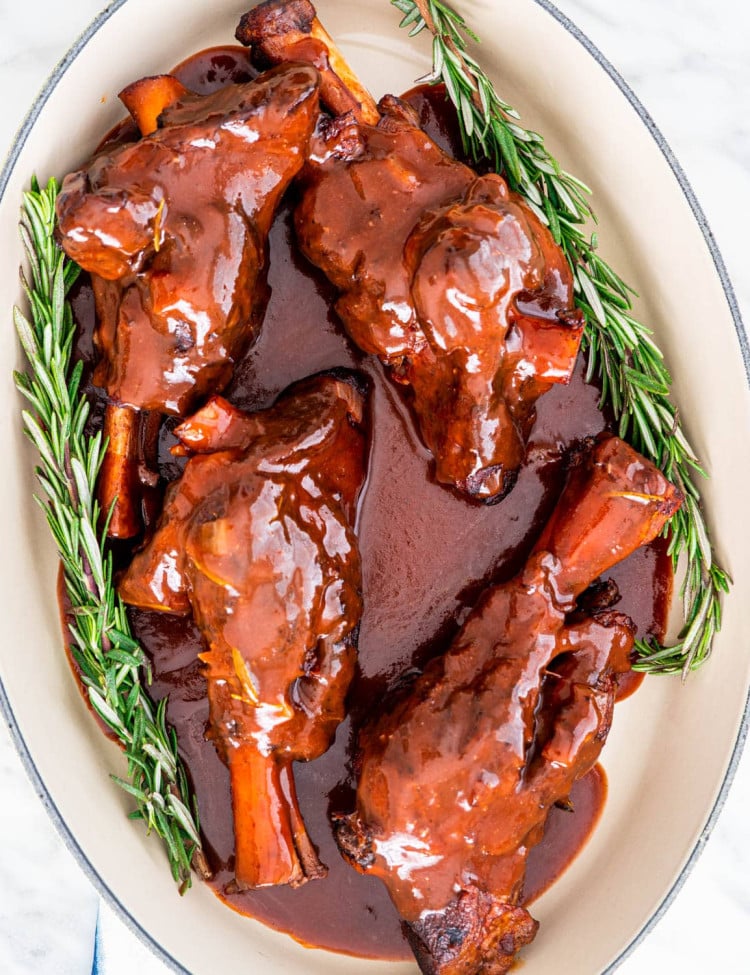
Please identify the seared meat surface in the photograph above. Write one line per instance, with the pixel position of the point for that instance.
(256, 541)
(456, 782)
(449, 278)
(173, 229)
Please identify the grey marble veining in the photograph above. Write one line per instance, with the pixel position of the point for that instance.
(688, 62)
(47, 907)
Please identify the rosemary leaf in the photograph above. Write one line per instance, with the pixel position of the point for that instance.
(111, 662)
(620, 350)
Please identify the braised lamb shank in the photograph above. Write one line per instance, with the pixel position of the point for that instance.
(256, 540)
(449, 278)
(173, 229)
(456, 782)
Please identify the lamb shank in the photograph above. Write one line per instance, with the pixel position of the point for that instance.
(256, 541)
(448, 277)
(173, 229)
(456, 782)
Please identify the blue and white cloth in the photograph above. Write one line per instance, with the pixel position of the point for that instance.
(117, 951)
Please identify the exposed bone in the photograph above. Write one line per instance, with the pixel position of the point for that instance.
(465, 715)
(271, 844)
(217, 425)
(147, 98)
(289, 30)
(120, 486)
(119, 483)
(609, 496)
(275, 696)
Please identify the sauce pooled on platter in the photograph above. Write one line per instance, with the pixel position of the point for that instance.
(427, 554)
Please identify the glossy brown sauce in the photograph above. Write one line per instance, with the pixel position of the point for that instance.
(565, 834)
(427, 554)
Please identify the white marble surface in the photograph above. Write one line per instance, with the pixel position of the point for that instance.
(689, 62)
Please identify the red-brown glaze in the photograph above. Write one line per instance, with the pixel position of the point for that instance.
(256, 541)
(456, 778)
(178, 253)
(566, 830)
(215, 68)
(426, 555)
(451, 280)
(288, 30)
(203, 73)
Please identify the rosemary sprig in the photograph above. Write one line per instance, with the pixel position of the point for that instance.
(621, 350)
(110, 661)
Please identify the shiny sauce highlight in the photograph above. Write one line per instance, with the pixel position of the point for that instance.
(427, 555)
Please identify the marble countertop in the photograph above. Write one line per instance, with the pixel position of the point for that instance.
(688, 61)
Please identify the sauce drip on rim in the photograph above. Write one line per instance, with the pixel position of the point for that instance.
(427, 554)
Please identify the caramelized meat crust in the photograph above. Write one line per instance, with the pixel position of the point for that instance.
(457, 286)
(451, 280)
(174, 227)
(476, 933)
(455, 783)
(289, 30)
(256, 541)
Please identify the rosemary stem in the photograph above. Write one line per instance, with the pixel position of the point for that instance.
(621, 352)
(111, 662)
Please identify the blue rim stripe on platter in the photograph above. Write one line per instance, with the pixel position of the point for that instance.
(700, 218)
(97, 938)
